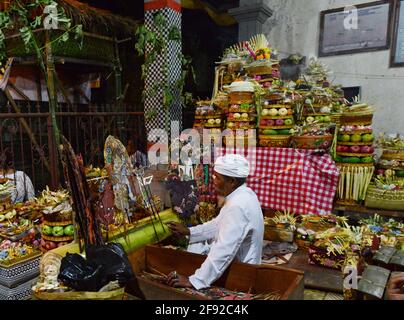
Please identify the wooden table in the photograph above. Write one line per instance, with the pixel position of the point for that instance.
(342, 209)
(316, 277)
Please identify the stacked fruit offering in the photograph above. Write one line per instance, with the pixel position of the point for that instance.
(276, 121)
(241, 116)
(354, 153)
(317, 107)
(57, 219)
(393, 155)
(355, 144)
(207, 116)
(56, 234)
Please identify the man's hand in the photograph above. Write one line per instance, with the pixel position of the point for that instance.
(178, 281)
(395, 289)
(178, 229)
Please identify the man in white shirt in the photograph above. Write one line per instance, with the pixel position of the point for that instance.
(237, 232)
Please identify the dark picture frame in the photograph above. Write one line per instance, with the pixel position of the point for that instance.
(396, 58)
(365, 11)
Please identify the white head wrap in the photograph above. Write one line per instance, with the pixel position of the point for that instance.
(232, 165)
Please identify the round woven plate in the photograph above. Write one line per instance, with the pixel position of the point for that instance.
(57, 239)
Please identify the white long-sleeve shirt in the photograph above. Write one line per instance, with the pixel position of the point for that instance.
(237, 234)
(24, 190)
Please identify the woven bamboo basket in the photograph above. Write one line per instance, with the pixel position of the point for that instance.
(384, 199)
(312, 142)
(274, 141)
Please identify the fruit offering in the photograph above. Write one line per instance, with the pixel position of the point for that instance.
(56, 234)
(13, 251)
(208, 116)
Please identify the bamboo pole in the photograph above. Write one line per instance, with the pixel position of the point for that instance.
(50, 82)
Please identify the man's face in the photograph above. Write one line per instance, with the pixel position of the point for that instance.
(219, 183)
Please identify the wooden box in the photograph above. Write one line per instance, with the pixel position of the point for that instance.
(238, 277)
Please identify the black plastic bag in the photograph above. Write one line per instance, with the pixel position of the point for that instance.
(79, 274)
(114, 261)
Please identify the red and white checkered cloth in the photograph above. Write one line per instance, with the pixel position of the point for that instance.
(302, 181)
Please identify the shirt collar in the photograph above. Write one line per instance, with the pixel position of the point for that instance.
(235, 192)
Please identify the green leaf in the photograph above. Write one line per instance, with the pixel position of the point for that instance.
(64, 37)
(36, 23)
(174, 34)
(159, 20)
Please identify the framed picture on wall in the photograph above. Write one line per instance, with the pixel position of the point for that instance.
(397, 48)
(342, 33)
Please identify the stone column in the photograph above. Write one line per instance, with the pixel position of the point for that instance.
(251, 15)
(171, 10)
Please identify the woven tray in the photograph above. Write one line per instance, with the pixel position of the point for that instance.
(354, 143)
(393, 156)
(358, 155)
(276, 127)
(218, 116)
(340, 164)
(74, 295)
(242, 120)
(249, 110)
(206, 125)
(58, 224)
(273, 97)
(57, 239)
(258, 70)
(277, 141)
(312, 142)
(277, 106)
(277, 117)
